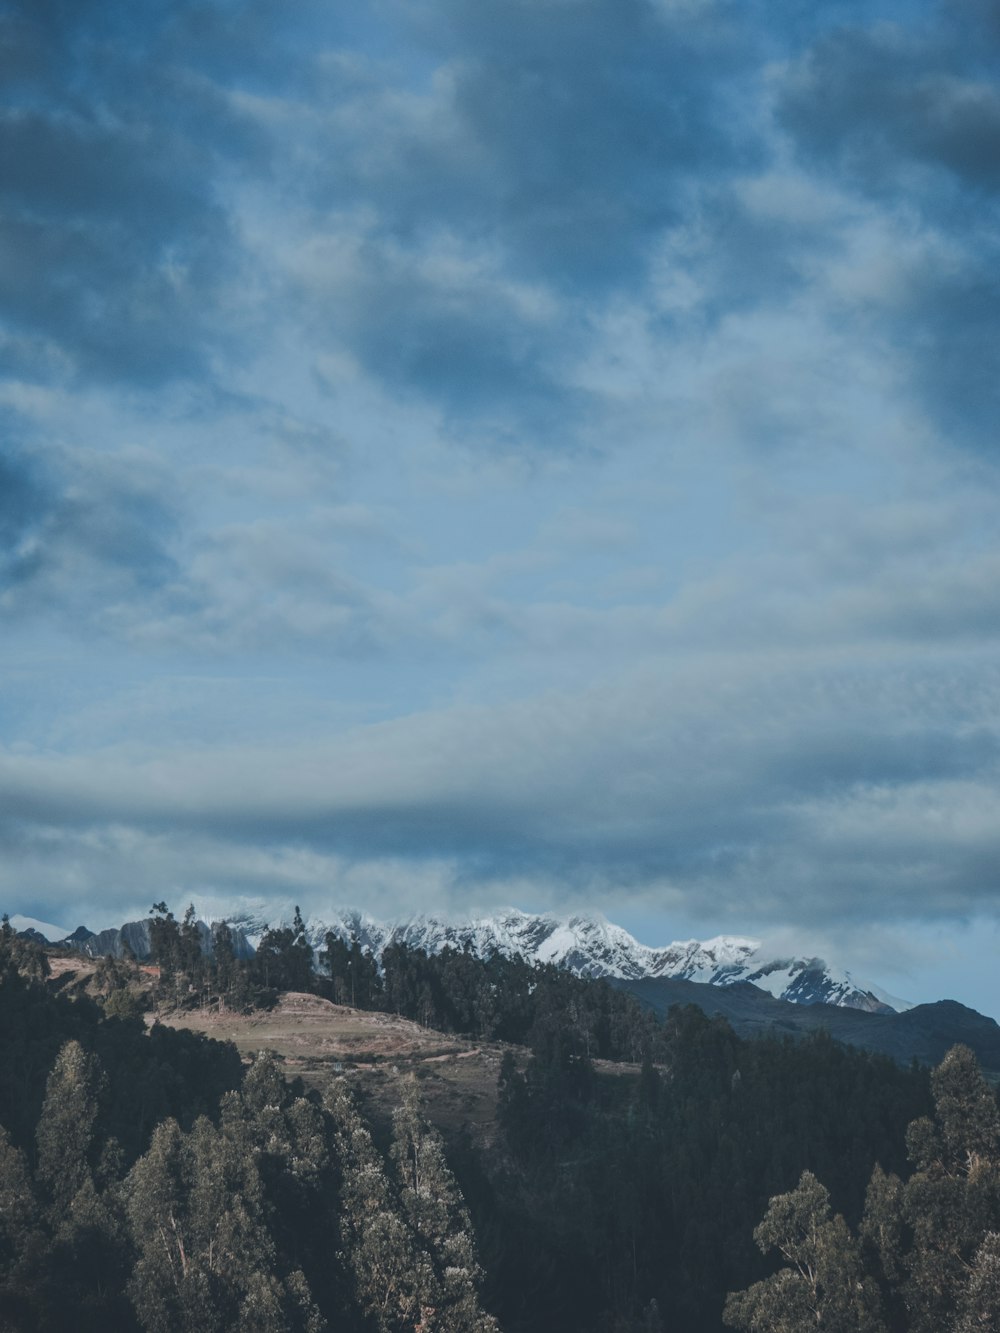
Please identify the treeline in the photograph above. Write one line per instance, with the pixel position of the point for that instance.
(244, 1205)
(454, 991)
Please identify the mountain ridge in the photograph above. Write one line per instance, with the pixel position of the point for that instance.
(925, 1032)
(590, 946)
(586, 945)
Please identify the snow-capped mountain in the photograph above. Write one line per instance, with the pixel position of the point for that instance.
(591, 947)
(585, 945)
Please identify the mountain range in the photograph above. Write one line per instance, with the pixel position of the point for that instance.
(729, 976)
(589, 946)
(584, 945)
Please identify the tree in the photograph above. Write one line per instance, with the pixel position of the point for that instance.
(165, 948)
(388, 1273)
(823, 1287)
(952, 1200)
(979, 1303)
(192, 957)
(65, 1135)
(284, 957)
(112, 979)
(336, 959)
(20, 954)
(20, 1234)
(224, 956)
(207, 1260)
(440, 1220)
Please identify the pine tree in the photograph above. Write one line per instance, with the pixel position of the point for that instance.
(883, 1234)
(90, 1262)
(207, 1260)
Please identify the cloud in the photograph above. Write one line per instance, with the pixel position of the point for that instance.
(533, 449)
(115, 246)
(565, 133)
(80, 533)
(879, 101)
(464, 212)
(909, 116)
(21, 497)
(448, 326)
(793, 787)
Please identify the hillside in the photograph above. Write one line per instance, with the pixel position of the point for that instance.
(925, 1033)
(372, 1052)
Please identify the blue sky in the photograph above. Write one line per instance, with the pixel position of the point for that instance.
(478, 452)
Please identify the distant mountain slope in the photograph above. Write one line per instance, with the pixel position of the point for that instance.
(924, 1032)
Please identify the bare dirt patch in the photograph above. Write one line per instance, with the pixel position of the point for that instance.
(317, 1040)
(79, 964)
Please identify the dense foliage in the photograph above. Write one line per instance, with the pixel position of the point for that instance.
(926, 1257)
(147, 1182)
(210, 1199)
(623, 1196)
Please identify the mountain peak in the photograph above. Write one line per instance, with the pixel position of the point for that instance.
(591, 946)
(586, 944)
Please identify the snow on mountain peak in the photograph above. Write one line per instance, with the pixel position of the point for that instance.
(588, 946)
(591, 946)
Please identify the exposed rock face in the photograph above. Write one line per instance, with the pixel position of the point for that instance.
(133, 937)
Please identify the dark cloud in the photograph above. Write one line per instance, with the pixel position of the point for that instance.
(460, 337)
(910, 116)
(78, 531)
(22, 497)
(949, 327)
(878, 101)
(568, 135)
(594, 116)
(554, 145)
(114, 247)
(797, 787)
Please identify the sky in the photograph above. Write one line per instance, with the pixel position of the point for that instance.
(481, 452)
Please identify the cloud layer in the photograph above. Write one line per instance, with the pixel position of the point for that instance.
(538, 451)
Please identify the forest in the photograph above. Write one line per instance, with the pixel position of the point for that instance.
(149, 1180)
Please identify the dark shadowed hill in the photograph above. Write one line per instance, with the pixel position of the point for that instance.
(924, 1033)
